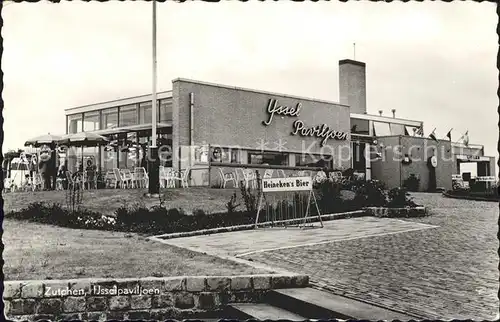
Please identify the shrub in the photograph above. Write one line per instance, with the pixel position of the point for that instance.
(400, 198)
(231, 204)
(250, 198)
(328, 197)
(371, 194)
(412, 183)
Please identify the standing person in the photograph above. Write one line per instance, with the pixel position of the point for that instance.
(33, 164)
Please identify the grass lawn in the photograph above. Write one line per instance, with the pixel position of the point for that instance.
(106, 201)
(35, 251)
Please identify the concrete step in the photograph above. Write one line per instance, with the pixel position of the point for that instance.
(316, 304)
(263, 311)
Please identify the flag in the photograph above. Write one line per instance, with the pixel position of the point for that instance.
(420, 130)
(433, 135)
(449, 134)
(466, 138)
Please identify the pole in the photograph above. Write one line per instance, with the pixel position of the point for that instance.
(154, 175)
(354, 45)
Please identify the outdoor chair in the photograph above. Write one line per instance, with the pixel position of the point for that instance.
(118, 178)
(141, 177)
(359, 176)
(72, 180)
(281, 173)
(182, 176)
(163, 176)
(89, 180)
(250, 178)
(268, 174)
(320, 176)
(228, 177)
(109, 179)
(127, 178)
(37, 183)
(304, 173)
(336, 176)
(170, 177)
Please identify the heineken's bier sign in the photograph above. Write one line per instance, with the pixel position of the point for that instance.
(287, 184)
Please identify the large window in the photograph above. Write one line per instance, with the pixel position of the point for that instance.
(91, 121)
(74, 123)
(309, 160)
(270, 158)
(145, 116)
(165, 110)
(128, 115)
(360, 126)
(381, 129)
(397, 129)
(109, 118)
(225, 155)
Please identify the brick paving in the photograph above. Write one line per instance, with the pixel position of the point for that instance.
(448, 272)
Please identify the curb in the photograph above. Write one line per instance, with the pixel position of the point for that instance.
(470, 198)
(343, 215)
(384, 212)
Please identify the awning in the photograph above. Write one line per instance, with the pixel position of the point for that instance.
(131, 128)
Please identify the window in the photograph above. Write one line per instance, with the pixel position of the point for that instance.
(270, 158)
(381, 129)
(360, 126)
(309, 160)
(109, 118)
(165, 110)
(74, 123)
(145, 116)
(225, 155)
(397, 129)
(91, 121)
(128, 115)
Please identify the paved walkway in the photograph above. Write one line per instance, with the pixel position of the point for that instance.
(245, 243)
(443, 273)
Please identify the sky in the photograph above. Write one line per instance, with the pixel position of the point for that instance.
(431, 61)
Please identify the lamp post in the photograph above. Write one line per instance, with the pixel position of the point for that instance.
(154, 162)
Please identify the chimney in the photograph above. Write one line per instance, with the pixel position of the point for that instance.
(393, 113)
(380, 112)
(352, 85)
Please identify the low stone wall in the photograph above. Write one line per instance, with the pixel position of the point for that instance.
(145, 298)
(472, 197)
(384, 212)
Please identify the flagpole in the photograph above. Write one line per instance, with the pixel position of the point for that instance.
(154, 175)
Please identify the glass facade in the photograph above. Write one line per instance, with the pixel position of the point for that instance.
(128, 115)
(91, 121)
(165, 110)
(308, 160)
(74, 123)
(110, 118)
(360, 126)
(381, 129)
(145, 115)
(270, 158)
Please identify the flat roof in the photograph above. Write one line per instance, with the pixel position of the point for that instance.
(386, 119)
(117, 102)
(304, 98)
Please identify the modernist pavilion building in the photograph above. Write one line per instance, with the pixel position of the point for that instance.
(205, 127)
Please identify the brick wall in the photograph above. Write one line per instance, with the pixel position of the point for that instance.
(147, 298)
(233, 117)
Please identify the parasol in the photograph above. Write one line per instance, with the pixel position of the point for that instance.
(43, 139)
